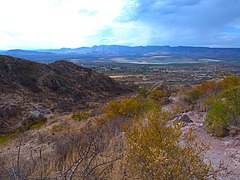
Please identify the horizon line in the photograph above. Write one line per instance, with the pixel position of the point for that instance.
(39, 49)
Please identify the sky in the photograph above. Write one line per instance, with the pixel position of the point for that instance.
(52, 24)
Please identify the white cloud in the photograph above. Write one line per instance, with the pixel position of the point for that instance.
(54, 23)
(31, 24)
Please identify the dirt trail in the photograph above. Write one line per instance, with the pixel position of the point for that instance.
(224, 151)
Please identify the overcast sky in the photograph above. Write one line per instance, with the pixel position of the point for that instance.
(37, 24)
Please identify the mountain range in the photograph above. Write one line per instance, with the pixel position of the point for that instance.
(112, 53)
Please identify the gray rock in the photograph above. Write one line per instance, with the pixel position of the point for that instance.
(184, 118)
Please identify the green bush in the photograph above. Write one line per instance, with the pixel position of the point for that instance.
(218, 119)
(143, 92)
(231, 98)
(58, 127)
(34, 123)
(6, 138)
(156, 94)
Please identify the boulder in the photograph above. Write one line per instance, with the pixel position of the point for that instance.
(184, 118)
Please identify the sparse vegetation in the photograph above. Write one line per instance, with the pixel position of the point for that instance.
(210, 89)
(143, 91)
(218, 119)
(34, 122)
(221, 100)
(224, 113)
(130, 107)
(6, 138)
(156, 94)
(52, 117)
(81, 115)
(58, 127)
(95, 146)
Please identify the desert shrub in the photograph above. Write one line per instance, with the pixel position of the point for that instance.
(192, 96)
(229, 82)
(81, 115)
(231, 98)
(112, 109)
(156, 94)
(218, 119)
(87, 154)
(209, 100)
(58, 127)
(202, 90)
(143, 92)
(210, 89)
(52, 117)
(102, 119)
(158, 151)
(30, 123)
(130, 107)
(7, 137)
(224, 112)
(81, 154)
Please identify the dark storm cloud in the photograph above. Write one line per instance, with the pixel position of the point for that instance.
(190, 22)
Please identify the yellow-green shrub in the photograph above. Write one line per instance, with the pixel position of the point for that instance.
(81, 115)
(129, 107)
(33, 123)
(7, 137)
(157, 94)
(211, 88)
(143, 92)
(58, 127)
(229, 82)
(156, 150)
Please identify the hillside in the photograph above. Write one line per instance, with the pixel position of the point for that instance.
(162, 132)
(33, 89)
